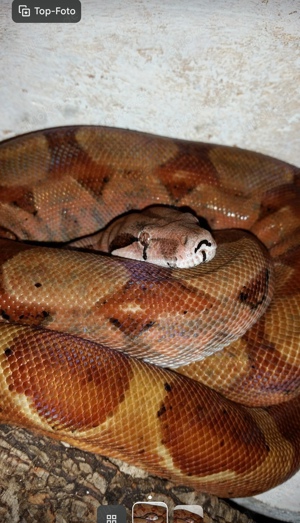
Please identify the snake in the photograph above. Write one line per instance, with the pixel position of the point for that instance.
(187, 368)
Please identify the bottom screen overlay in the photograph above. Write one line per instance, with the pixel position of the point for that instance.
(150, 512)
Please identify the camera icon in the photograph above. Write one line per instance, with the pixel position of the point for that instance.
(24, 10)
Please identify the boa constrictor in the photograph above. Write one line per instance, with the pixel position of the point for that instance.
(228, 423)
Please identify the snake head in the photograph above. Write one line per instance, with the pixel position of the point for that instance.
(179, 243)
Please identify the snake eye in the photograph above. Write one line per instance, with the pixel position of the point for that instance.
(144, 239)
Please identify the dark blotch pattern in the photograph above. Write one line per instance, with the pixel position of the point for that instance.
(254, 293)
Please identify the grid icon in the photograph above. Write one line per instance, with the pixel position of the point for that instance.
(111, 514)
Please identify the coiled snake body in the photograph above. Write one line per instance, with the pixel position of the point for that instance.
(74, 323)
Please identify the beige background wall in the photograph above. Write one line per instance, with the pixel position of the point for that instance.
(221, 71)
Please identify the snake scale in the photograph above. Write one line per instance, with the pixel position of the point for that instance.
(192, 374)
